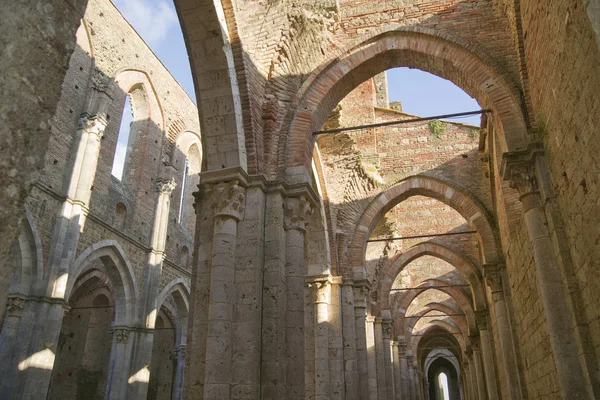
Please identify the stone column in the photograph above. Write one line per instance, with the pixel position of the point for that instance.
(119, 365)
(228, 203)
(351, 379)
(397, 371)
(144, 337)
(336, 358)
(403, 368)
(179, 372)
(486, 354)
(521, 170)
(473, 388)
(371, 359)
(360, 291)
(493, 278)
(479, 374)
(380, 357)
(410, 376)
(387, 356)
(321, 287)
(296, 212)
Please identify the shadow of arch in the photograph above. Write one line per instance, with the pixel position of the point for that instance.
(465, 204)
(115, 265)
(418, 48)
(442, 251)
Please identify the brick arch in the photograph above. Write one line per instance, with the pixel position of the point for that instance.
(429, 336)
(420, 185)
(216, 58)
(461, 324)
(415, 48)
(444, 252)
(435, 284)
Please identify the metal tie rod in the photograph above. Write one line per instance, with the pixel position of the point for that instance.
(406, 121)
(421, 236)
(429, 287)
(433, 316)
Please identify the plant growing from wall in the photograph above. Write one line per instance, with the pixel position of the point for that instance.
(437, 127)
(473, 133)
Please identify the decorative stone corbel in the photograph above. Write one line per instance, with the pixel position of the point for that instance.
(15, 306)
(481, 319)
(493, 277)
(92, 124)
(165, 186)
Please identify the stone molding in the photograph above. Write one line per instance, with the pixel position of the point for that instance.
(165, 186)
(99, 79)
(228, 199)
(320, 284)
(388, 328)
(296, 212)
(92, 124)
(121, 334)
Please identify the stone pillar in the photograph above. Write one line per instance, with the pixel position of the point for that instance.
(397, 371)
(479, 374)
(371, 359)
(493, 278)
(380, 357)
(336, 358)
(360, 291)
(387, 356)
(228, 203)
(410, 376)
(321, 294)
(473, 388)
(119, 365)
(403, 368)
(142, 351)
(351, 379)
(486, 354)
(521, 170)
(296, 212)
(179, 372)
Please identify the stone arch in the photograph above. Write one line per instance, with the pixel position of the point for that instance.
(434, 284)
(179, 290)
(461, 324)
(221, 96)
(186, 156)
(442, 251)
(27, 259)
(467, 205)
(118, 269)
(416, 48)
(434, 333)
(440, 353)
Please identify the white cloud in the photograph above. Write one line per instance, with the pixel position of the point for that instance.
(151, 18)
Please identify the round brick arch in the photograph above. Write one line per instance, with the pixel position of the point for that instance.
(415, 48)
(453, 257)
(420, 185)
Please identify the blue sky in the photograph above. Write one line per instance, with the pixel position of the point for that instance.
(420, 92)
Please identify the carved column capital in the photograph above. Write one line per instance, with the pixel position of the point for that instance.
(320, 286)
(361, 293)
(165, 186)
(388, 328)
(15, 306)
(493, 277)
(481, 319)
(121, 334)
(296, 212)
(474, 342)
(518, 167)
(92, 125)
(229, 199)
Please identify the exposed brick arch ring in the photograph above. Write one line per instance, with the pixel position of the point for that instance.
(459, 322)
(434, 284)
(420, 185)
(453, 257)
(441, 56)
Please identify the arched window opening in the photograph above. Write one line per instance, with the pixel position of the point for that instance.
(123, 141)
(443, 386)
(187, 216)
(120, 216)
(184, 257)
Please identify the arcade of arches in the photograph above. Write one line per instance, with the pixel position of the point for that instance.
(239, 256)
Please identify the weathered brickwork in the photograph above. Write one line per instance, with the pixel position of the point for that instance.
(275, 291)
